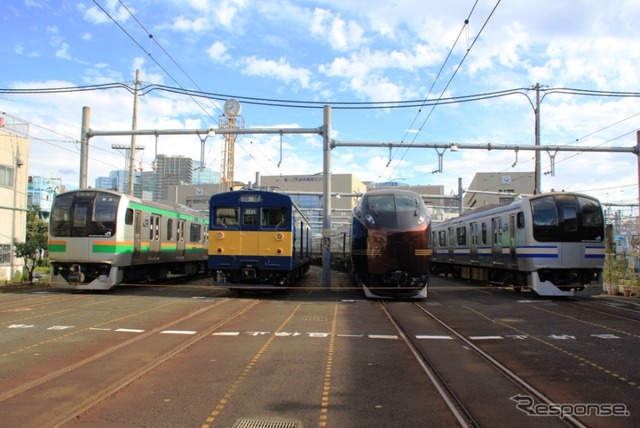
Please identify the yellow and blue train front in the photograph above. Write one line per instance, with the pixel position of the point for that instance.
(251, 256)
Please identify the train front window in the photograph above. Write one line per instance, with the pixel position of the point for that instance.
(250, 217)
(227, 217)
(396, 211)
(105, 213)
(381, 204)
(60, 221)
(84, 213)
(592, 219)
(545, 219)
(566, 218)
(273, 217)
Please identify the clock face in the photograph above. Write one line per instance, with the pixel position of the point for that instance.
(232, 107)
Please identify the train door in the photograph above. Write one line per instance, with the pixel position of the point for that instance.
(496, 244)
(513, 255)
(451, 242)
(137, 234)
(180, 238)
(154, 236)
(473, 244)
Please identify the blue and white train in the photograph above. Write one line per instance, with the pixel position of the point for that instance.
(551, 243)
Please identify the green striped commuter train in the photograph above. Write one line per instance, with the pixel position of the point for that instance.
(101, 238)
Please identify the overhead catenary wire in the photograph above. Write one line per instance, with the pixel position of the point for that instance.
(455, 72)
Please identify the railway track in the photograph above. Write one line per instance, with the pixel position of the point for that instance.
(72, 376)
(467, 414)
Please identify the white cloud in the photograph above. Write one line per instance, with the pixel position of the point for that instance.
(113, 8)
(183, 24)
(342, 35)
(218, 52)
(280, 70)
(63, 51)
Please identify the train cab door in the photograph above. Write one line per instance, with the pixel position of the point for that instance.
(496, 244)
(180, 239)
(251, 242)
(154, 236)
(137, 234)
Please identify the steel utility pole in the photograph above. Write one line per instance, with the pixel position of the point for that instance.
(538, 167)
(134, 126)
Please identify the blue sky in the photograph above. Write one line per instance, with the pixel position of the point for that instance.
(354, 51)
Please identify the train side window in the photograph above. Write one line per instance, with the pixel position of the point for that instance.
(156, 233)
(520, 220)
(461, 232)
(452, 237)
(169, 229)
(194, 233)
(497, 225)
(128, 217)
(474, 234)
(151, 228)
(483, 233)
(442, 238)
(250, 216)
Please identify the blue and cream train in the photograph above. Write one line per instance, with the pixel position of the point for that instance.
(100, 238)
(257, 239)
(551, 243)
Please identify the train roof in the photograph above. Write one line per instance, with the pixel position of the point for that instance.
(515, 203)
(165, 206)
(233, 195)
(390, 191)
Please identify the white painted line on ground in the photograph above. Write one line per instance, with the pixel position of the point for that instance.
(130, 330)
(226, 333)
(178, 332)
(485, 337)
(382, 336)
(433, 337)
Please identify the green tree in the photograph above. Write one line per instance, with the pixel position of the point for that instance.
(33, 249)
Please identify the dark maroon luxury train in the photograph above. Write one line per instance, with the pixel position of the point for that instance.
(390, 252)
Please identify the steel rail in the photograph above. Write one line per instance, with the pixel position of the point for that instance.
(567, 419)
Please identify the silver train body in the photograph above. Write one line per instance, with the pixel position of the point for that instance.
(552, 243)
(101, 238)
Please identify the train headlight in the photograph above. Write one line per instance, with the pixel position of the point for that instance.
(220, 235)
(279, 251)
(421, 219)
(370, 219)
(220, 250)
(279, 236)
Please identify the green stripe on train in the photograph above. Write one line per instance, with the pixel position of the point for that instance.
(57, 248)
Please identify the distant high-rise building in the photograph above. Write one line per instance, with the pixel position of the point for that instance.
(41, 191)
(204, 175)
(144, 185)
(171, 171)
(105, 183)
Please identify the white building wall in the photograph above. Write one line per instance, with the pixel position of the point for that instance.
(14, 156)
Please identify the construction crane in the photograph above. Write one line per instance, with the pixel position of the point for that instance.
(230, 120)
